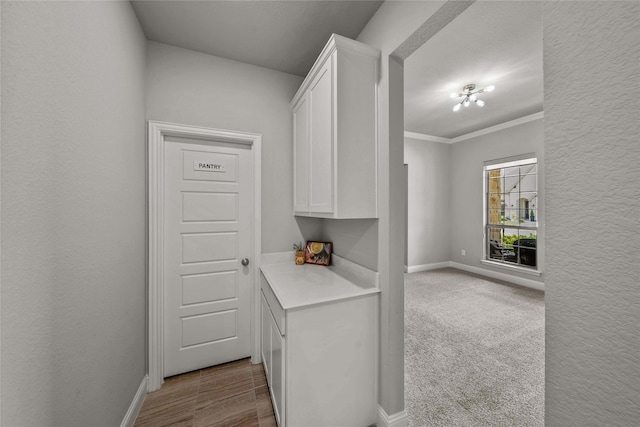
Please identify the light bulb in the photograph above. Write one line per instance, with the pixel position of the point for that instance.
(466, 102)
(489, 88)
(454, 95)
(480, 103)
(456, 107)
(473, 97)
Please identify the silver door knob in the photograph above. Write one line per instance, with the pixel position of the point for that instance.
(245, 261)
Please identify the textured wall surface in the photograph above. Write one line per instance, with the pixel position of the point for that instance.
(467, 159)
(429, 216)
(592, 152)
(73, 212)
(193, 88)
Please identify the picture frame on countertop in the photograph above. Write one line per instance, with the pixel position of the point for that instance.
(318, 253)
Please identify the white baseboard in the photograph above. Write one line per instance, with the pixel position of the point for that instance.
(527, 283)
(516, 280)
(425, 267)
(399, 419)
(136, 404)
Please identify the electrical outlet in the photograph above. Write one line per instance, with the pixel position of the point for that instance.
(463, 252)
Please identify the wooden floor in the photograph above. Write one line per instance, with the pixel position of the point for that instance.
(233, 394)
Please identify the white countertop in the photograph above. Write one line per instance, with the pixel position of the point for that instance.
(302, 285)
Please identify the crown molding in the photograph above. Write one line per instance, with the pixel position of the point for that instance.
(501, 126)
(491, 129)
(425, 137)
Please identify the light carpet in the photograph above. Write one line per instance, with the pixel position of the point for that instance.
(474, 351)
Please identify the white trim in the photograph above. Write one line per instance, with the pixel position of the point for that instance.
(509, 162)
(256, 241)
(425, 137)
(528, 283)
(157, 132)
(501, 126)
(399, 419)
(0, 229)
(485, 131)
(514, 267)
(132, 413)
(425, 267)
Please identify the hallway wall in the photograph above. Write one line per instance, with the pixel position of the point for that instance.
(73, 212)
(193, 88)
(592, 154)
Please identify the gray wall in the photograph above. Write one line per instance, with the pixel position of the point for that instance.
(467, 158)
(429, 192)
(188, 87)
(592, 153)
(73, 212)
(354, 239)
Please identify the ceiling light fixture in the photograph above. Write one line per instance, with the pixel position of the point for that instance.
(469, 95)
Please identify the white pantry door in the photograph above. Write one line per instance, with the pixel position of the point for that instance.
(207, 232)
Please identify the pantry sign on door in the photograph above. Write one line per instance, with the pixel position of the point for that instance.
(208, 167)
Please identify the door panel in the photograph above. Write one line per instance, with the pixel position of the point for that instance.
(199, 288)
(198, 206)
(208, 328)
(266, 336)
(301, 158)
(321, 142)
(209, 247)
(207, 231)
(277, 357)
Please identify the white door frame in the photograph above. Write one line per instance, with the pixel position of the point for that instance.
(156, 140)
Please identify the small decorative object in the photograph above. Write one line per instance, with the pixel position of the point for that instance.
(299, 250)
(318, 253)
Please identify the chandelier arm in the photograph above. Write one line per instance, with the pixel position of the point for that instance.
(469, 93)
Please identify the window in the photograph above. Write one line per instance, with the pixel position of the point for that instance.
(511, 215)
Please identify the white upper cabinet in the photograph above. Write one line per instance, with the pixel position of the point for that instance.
(301, 156)
(335, 139)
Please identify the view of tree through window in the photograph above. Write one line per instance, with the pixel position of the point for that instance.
(511, 202)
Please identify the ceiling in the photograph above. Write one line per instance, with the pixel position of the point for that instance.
(286, 36)
(492, 42)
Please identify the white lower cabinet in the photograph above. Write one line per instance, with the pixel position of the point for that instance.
(277, 379)
(320, 360)
(272, 343)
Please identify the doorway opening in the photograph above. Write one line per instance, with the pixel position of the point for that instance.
(461, 362)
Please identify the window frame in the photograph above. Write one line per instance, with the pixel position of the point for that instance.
(517, 161)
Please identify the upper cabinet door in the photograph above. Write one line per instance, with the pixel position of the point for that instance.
(301, 157)
(335, 134)
(321, 141)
